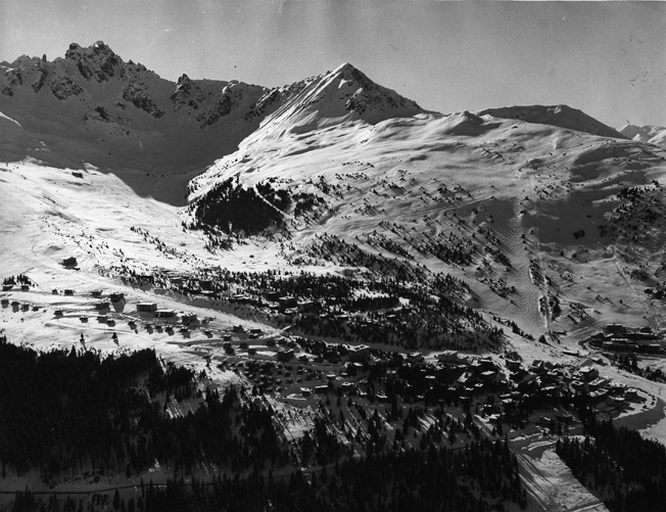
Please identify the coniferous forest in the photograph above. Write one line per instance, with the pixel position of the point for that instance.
(626, 471)
(67, 413)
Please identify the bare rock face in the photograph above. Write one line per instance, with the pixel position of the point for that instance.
(139, 95)
(63, 87)
(97, 61)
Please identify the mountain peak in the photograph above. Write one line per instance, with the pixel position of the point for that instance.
(344, 93)
(76, 51)
(346, 69)
(97, 61)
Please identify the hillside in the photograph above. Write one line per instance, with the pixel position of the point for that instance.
(376, 282)
(562, 116)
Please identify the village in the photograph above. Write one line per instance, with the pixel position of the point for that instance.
(308, 373)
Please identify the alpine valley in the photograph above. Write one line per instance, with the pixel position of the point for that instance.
(351, 281)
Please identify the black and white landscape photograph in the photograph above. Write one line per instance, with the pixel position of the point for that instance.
(332, 255)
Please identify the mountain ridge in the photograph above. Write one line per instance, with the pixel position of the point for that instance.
(116, 99)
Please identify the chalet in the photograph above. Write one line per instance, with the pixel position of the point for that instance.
(7, 287)
(96, 294)
(347, 387)
(68, 292)
(116, 296)
(84, 319)
(306, 306)
(597, 383)
(322, 389)
(578, 386)
(415, 358)
(165, 313)
(272, 294)
(448, 356)
(450, 373)
(598, 395)
(285, 355)
(305, 392)
(25, 288)
(57, 313)
(483, 365)
(489, 376)
(5, 302)
(190, 319)
(512, 364)
(287, 301)
(538, 366)
(617, 401)
(359, 353)
(588, 373)
(465, 379)
(146, 307)
(100, 306)
(238, 328)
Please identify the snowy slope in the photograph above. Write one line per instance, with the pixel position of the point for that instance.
(562, 116)
(545, 197)
(647, 133)
(525, 204)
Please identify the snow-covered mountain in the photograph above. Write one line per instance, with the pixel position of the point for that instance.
(92, 106)
(542, 211)
(647, 133)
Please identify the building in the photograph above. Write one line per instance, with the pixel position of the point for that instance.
(588, 373)
(146, 307)
(189, 319)
(165, 313)
(285, 355)
(448, 356)
(359, 353)
(415, 357)
(287, 302)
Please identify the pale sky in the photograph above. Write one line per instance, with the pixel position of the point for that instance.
(606, 58)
